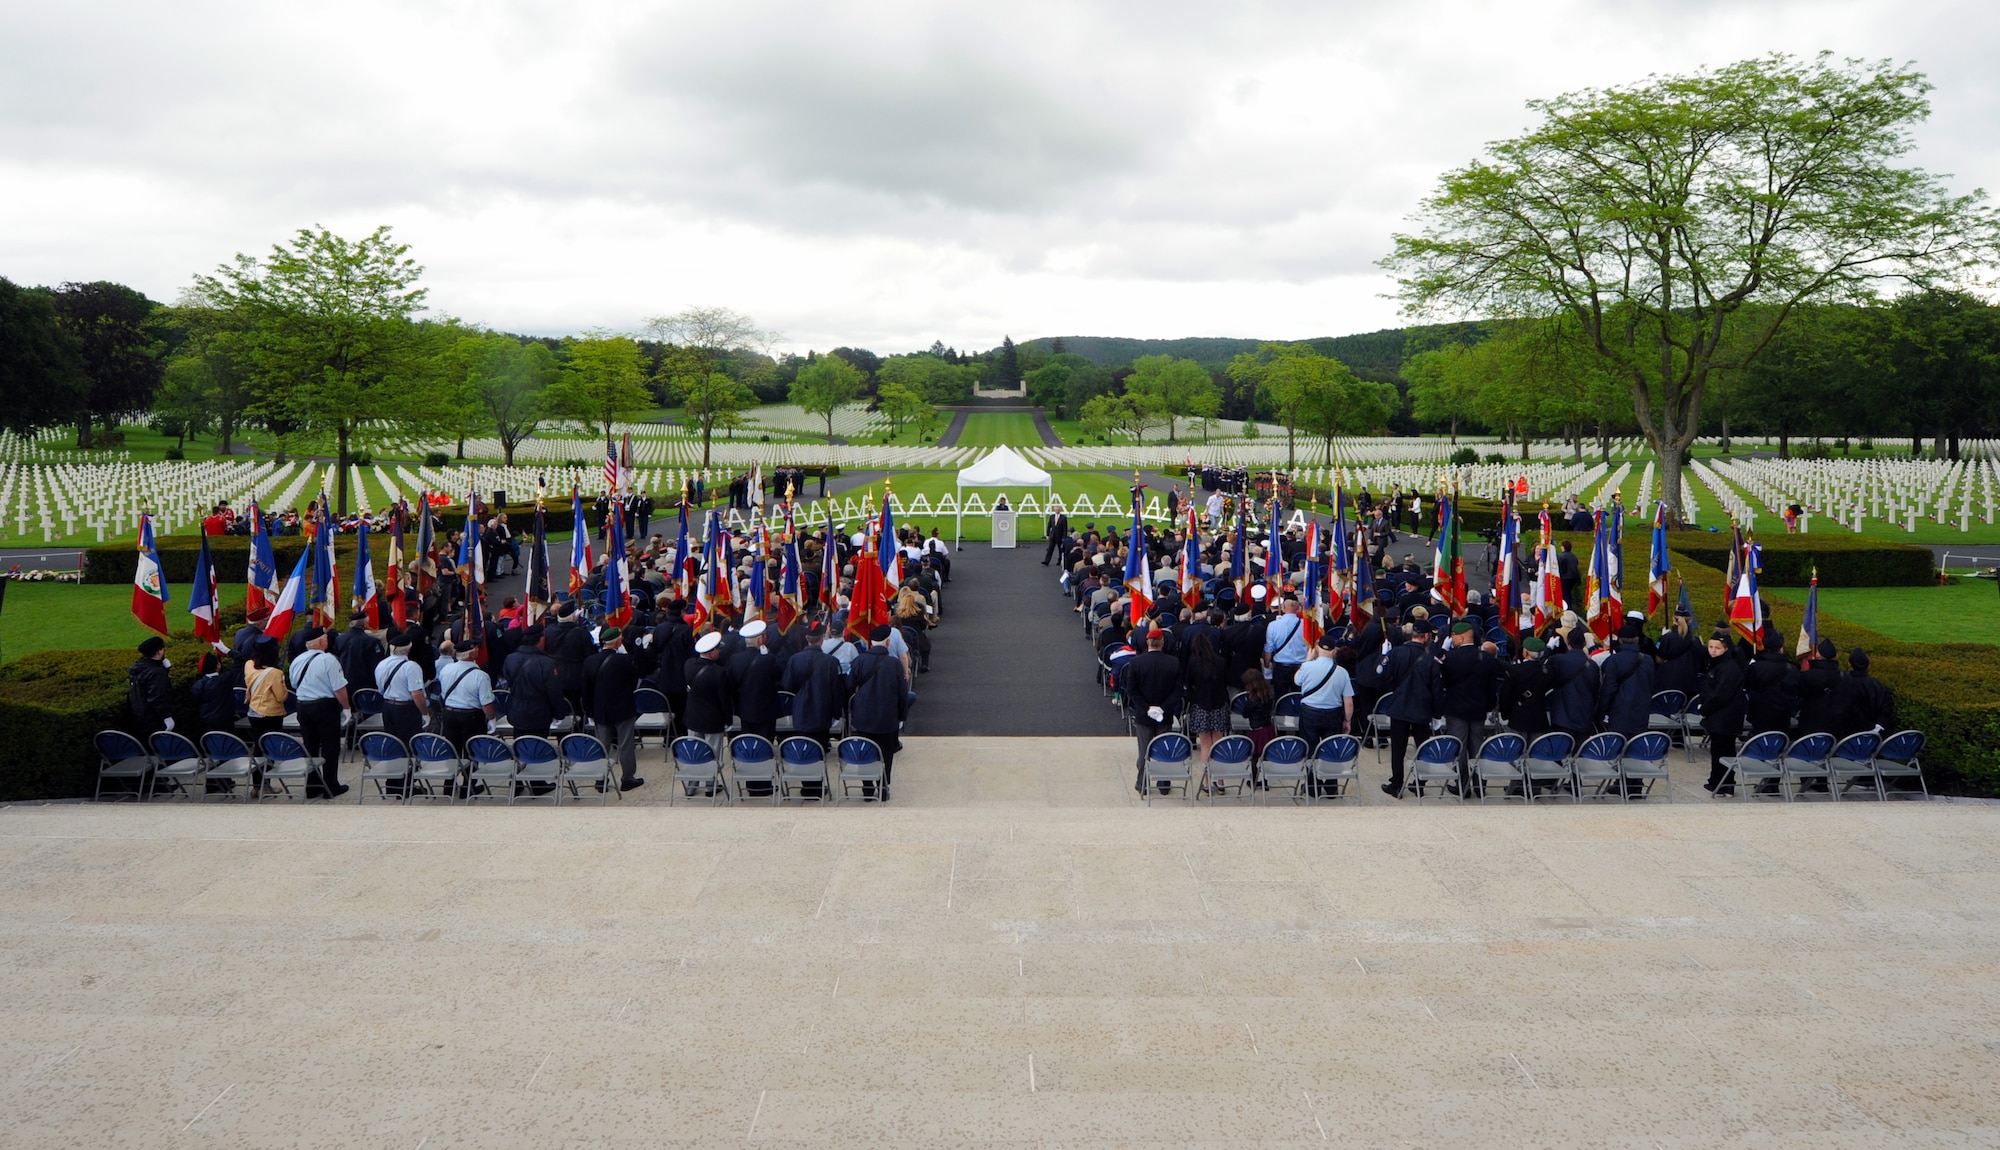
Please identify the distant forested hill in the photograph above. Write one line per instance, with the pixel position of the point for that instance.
(1375, 355)
(1113, 351)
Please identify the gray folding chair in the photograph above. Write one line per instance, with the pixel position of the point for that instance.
(585, 763)
(1806, 760)
(1169, 763)
(1228, 765)
(802, 768)
(122, 757)
(1644, 764)
(1334, 766)
(1853, 761)
(1283, 764)
(385, 760)
(1498, 763)
(1897, 758)
(286, 762)
(696, 771)
(1436, 761)
(753, 762)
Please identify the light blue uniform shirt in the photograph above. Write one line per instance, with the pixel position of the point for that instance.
(1285, 639)
(1324, 694)
(397, 677)
(466, 687)
(316, 675)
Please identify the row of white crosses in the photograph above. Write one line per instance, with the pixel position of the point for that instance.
(52, 445)
(1895, 490)
(1733, 505)
(63, 500)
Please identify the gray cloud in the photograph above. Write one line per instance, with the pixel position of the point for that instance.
(886, 168)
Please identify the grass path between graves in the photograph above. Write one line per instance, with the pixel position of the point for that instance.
(1962, 611)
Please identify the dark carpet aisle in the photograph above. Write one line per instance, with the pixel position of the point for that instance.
(1011, 658)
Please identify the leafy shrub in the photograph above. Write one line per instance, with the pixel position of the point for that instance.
(1465, 457)
(361, 458)
(175, 453)
(1496, 457)
(440, 459)
(116, 562)
(52, 704)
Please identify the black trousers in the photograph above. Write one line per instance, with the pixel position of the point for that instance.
(1146, 729)
(1049, 552)
(1720, 747)
(887, 741)
(1284, 679)
(462, 725)
(1401, 731)
(402, 720)
(319, 730)
(1316, 723)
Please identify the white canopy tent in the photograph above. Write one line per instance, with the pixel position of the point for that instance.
(1001, 467)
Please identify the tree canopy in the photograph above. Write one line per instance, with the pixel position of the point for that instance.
(328, 334)
(1658, 213)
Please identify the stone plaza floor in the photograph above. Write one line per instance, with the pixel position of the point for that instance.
(1016, 952)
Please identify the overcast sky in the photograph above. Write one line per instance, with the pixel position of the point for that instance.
(878, 174)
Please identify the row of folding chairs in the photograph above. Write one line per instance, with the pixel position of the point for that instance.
(1606, 765)
(796, 767)
(1286, 764)
(169, 762)
(1789, 765)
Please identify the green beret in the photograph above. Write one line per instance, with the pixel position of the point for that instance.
(1533, 644)
(1461, 628)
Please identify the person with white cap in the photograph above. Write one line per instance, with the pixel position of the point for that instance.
(710, 700)
(754, 676)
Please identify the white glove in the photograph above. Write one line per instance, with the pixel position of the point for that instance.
(170, 724)
(1437, 724)
(1156, 714)
(492, 726)
(346, 717)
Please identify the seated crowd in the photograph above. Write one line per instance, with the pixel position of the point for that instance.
(1234, 655)
(721, 671)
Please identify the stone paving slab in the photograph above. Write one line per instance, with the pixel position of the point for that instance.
(1014, 952)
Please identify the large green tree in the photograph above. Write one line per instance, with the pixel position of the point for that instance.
(1657, 213)
(826, 385)
(1444, 385)
(111, 326)
(1310, 392)
(504, 383)
(42, 382)
(1944, 348)
(929, 375)
(1180, 389)
(328, 335)
(603, 381)
(206, 387)
(703, 343)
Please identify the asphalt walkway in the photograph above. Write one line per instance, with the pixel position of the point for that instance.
(1010, 658)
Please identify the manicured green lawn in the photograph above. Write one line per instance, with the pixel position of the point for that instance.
(933, 485)
(1964, 611)
(992, 429)
(74, 617)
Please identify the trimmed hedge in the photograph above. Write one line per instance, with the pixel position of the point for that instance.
(116, 563)
(53, 703)
(1844, 559)
(1949, 691)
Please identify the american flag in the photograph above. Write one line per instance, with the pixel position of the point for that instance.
(610, 465)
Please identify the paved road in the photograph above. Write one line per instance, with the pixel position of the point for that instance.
(1010, 658)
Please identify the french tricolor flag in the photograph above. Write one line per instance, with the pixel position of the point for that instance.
(292, 599)
(366, 595)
